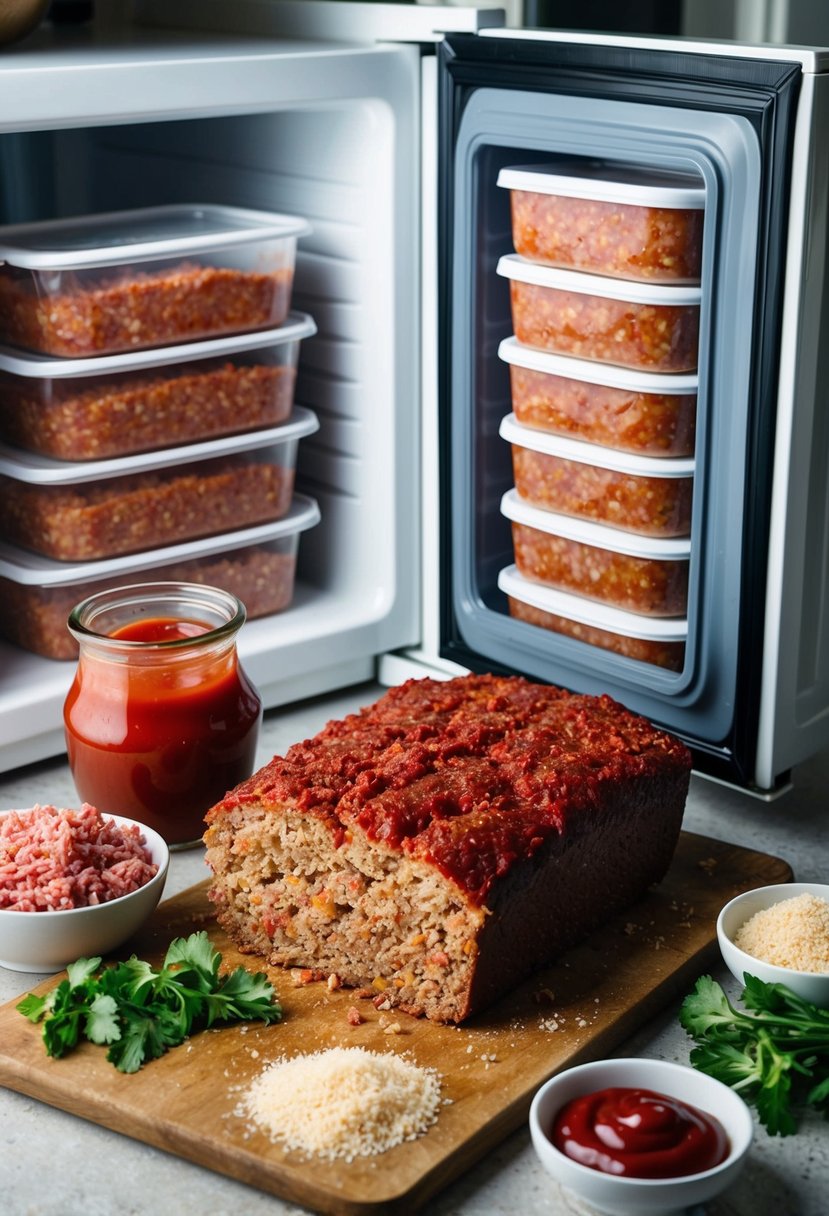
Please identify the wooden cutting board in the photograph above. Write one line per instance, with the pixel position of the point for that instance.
(579, 1009)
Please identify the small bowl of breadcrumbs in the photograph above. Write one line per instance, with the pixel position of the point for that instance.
(780, 934)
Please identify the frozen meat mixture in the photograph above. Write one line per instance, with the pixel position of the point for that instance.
(132, 310)
(659, 653)
(646, 337)
(34, 618)
(95, 417)
(649, 424)
(628, 240)
(650, 506)
(438, 846)
(146, 510)
(654, 586)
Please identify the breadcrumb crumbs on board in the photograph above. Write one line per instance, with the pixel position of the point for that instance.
(793, 933)
(343, 1102)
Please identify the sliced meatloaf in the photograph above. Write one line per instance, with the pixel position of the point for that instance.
(444, 842)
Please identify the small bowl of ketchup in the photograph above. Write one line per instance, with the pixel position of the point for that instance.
(640, 1137)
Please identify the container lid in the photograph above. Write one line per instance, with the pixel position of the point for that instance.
(594, 453)
(513, 266)
(297, 326)
(43, 470)
(599, 535)
(140, 235)
(609, 374)
(31, 570)
(609, 182)
(591, 612)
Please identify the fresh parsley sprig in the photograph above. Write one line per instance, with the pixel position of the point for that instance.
(775, 1053)
(139, 1013)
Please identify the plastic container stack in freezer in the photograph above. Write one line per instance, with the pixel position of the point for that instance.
(628, 221)
(116, 405)
(258, 565)
(147, 407)
(98, 284)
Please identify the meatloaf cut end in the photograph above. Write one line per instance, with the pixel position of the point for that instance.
(445, 842)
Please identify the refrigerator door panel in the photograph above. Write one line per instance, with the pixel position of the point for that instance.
(509, 101)
(794, 714)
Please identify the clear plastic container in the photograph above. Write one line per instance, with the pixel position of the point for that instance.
(639, 325)
(640, 412)
(635, 573)
(106, 508)
(257, 565)
(642, 495)
(659, 641)
(99, 284)
(116, 405)
(609, 219)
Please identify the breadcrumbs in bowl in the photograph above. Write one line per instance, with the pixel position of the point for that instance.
(780, 934)
(74, 883)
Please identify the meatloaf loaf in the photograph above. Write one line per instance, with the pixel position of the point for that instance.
(443, 843)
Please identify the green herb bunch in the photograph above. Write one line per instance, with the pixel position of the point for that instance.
(775, 1054)
(139, 1012)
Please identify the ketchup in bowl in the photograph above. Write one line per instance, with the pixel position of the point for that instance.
(161, 719)
(637, 1133)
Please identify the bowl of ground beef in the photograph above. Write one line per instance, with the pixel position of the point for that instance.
(74, 883)
(780, 934)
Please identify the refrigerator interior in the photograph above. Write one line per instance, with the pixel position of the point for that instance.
(320, 131)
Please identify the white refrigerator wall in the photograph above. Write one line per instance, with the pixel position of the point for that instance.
(325, 132)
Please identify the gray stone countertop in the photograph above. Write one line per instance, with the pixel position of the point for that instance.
(54, 1164)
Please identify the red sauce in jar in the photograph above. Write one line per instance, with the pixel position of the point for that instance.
(636, 1133)
(161, 741)
(161, 629)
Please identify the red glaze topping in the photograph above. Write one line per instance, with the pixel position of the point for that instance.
(472, 774)
(636, 1133)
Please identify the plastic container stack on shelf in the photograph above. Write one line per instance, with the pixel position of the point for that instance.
(147, 412)
(605, 299)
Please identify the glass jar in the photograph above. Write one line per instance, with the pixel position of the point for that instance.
(160, 720)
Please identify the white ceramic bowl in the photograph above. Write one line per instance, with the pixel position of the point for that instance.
(48, 941)
(808, 985)
(623, 1196)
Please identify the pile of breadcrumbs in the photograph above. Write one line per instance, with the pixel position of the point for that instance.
(793, 933)
(345, 1102)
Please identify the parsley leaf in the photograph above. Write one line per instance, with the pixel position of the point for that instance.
(138, 1012)
(775, 1052)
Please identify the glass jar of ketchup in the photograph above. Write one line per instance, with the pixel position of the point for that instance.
(161, 719)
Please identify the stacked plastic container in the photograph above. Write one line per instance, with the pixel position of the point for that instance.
(605, 299)
(147, 420)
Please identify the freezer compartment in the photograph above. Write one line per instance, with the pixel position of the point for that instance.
(98, 284)
(103, 509)
(646, 414)
(87, 409)
(657, 641)
(628, 221)
(320, 130)
(256, 565)
(704, 414)
(634, 493)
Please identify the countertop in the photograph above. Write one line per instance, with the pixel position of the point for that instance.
(53, 1164)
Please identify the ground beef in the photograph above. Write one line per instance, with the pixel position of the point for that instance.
(54, 859)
